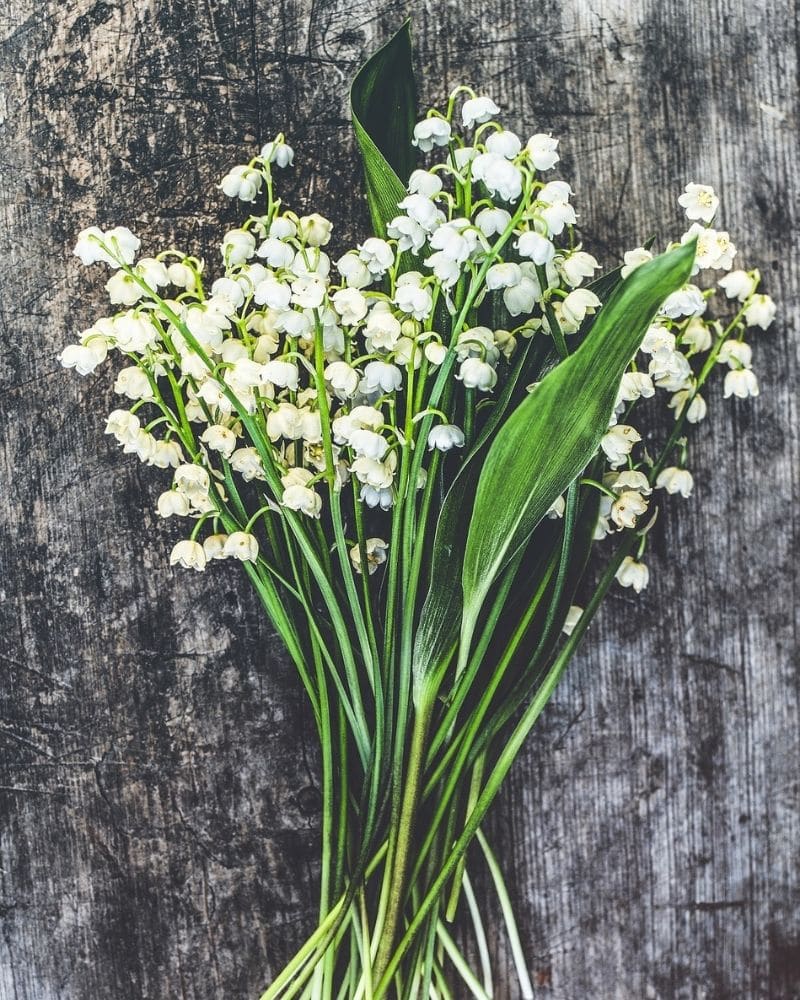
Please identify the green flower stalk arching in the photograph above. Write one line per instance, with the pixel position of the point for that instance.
(412, 452)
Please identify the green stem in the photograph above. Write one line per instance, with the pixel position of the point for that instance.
(405, 826)
(526, 989)
(503, 765)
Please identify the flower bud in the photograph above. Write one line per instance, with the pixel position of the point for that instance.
(314, 230)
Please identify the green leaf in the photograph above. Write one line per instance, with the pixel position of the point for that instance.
(383, 103)
(550, 438)
(439, 621)
(441, 612)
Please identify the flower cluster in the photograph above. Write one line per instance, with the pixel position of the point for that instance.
(314, 408)
(299, 376)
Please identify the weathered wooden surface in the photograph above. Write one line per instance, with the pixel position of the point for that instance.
(158, 788)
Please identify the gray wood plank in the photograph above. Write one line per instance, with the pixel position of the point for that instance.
(158, 783)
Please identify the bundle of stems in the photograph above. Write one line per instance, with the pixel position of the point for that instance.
(412, 464)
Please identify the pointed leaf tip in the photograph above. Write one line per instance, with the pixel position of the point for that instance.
(551, 437)
(383, 105)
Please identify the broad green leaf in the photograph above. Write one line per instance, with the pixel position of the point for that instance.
(383, 104)
(441, 613)
(550, 438)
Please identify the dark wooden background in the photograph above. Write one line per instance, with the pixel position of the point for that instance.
(159, 801)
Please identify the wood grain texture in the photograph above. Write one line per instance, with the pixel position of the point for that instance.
(158, 784)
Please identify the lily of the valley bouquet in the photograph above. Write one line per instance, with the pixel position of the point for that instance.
(412, 447)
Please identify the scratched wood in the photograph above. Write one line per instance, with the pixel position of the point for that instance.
(159, 798)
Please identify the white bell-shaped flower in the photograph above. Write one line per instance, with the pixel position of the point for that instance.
(541, 149)
(173, 503)
(376, 550)
(188, 554)
(444, 437)
(247, 462)
(760, 312)
(242, 182)
(741, 383)
(477, 110)
(433, 131)
(675, 480)
(379, 375)
(617, 443)
(241, 545)
(477, 374)
(633, 574)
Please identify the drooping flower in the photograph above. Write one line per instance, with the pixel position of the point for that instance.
(741, 383)
(499, 175)
(760, 312)
(627, 508)
(477, 374)
(425, 183)
(578, 304)
(376, 550)
(577, 266)
(133, 383)
(696, 335)
(735, 354)
(443, 437)
(504, 143)
(214, 546)
(314, 229)
(635, 385)
(739, 284)
(617, 443)
(381, 376)
(630, 479)
(123, 289)
(278, 152)
(697, 408)
(503, 276)
(120, 246)
(298, 495)
(633, 259)
(219, 438)
(377, 255)
(350, 304)
(633, 574)
(241, 545)
(492, 221)
(675, 480)
(433, 131)
(172, 502)
(477, 110)
(342, 379)
(242, 182)
(188, 554)
(84, 358)
(247, 462)
(541, 149)
(238, 246)
(536, 247)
